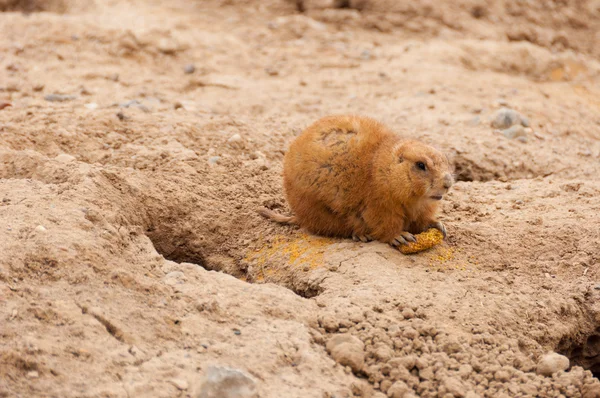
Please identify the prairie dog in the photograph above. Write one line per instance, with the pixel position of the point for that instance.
(350, 176)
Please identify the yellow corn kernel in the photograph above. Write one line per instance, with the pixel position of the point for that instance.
(425, 240)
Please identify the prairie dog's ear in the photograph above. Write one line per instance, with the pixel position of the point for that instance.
(399, 151)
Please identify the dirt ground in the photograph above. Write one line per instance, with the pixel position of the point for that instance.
(138, 138)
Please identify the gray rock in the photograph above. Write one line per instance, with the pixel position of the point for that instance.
(189, 69)
(135, 104)
(213, 160)
(506, 117)
(552, 363)
(515, 132)
(59, 97)
(174, 277)
(223, 382)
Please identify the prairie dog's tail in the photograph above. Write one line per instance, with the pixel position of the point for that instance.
(271, 215)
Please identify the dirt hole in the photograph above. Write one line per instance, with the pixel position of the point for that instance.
(586, 354)
(176, 246)
(183, 247)
(467, 170)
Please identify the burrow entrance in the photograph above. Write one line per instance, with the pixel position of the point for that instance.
(583, 352)
(189, 247)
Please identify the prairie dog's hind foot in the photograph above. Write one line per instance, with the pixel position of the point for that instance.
(402, 239)
(279, 218)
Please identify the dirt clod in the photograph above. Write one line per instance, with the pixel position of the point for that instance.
(347, 350)
(552, 363)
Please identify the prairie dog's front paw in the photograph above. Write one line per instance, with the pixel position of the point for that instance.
(403, 239)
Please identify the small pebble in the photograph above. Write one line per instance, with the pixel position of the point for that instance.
(189, 69)
(226, 382)
(236, 141)
(506, 117)
(40, 228)
(91, 106)
(33, 374)
(235, 138)
(175, 275)
(515, 132)
(167, 46)
(135, 104)
(213, 160)
(180, 384)
(59, 97)
(65, 158)
(522, 139)
(237, 332)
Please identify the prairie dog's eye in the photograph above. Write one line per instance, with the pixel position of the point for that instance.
(421, 166)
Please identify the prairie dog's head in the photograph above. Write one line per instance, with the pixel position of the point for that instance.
(426, 170)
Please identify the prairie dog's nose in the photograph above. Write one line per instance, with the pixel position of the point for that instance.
(448, 181)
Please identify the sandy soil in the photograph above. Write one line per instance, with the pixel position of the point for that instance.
(137, 139)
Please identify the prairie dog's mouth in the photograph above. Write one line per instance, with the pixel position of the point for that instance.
(436, 197)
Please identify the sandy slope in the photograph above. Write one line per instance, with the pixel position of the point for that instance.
(125, 183)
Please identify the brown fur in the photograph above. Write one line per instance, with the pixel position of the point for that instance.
(351, 176)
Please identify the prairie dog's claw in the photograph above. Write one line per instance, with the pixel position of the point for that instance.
(362, 238)
(439, 225)
(408, 236)
(403, 239)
